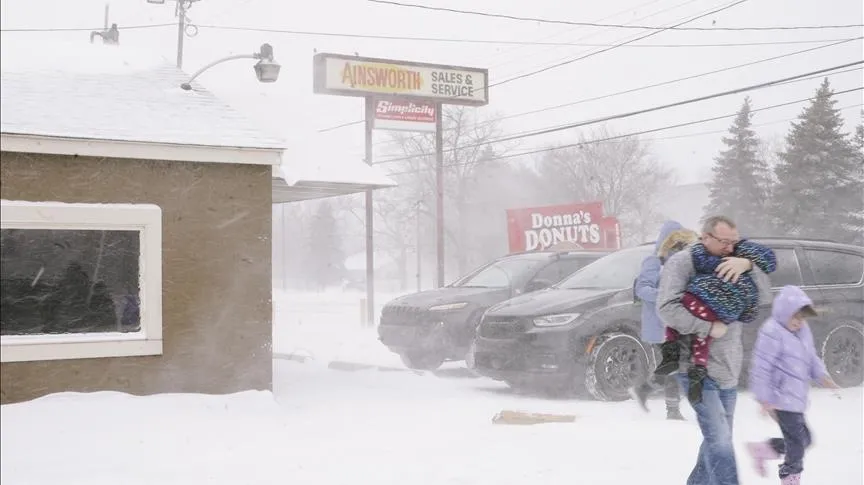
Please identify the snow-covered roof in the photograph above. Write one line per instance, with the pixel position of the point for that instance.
(315, 169)
(114, 93)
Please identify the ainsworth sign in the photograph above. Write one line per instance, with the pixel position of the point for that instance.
(582, 225)
(404, 115)
(366, 76)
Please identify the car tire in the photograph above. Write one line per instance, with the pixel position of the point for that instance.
(617, 362)
(842, 351)
(422, 359)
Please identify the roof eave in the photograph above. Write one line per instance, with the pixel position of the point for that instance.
(25, 143)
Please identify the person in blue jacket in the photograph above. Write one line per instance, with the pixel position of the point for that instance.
(672, 238)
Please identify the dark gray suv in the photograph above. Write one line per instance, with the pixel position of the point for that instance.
(429, 327)
(583, 333)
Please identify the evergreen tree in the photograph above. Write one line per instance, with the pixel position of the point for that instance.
(819, 180)
(325, 265)
(855, 221)
(741, 179)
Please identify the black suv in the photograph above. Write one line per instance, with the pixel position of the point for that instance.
(429, 327)
(583, 333)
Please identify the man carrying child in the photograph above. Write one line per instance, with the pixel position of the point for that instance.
(715, 409)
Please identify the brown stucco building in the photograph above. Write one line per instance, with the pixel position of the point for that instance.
(136, 231)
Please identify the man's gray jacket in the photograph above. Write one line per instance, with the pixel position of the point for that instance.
(726, 353)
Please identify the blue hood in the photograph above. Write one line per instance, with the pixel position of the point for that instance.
(668, 228)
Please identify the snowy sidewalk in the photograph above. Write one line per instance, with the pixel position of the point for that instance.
(386, 428)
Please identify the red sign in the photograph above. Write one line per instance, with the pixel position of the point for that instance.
(580, 225)
(404, 115)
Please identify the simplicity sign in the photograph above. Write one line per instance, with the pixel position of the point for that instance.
(363, 76)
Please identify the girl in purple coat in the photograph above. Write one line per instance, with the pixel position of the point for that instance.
(785, 362)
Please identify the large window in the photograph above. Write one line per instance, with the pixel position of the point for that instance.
(614, 271)
(835, 268)
(79, 280)
(788, 270)
(500, 274)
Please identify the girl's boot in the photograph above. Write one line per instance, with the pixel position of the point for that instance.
(794, 479)
(760, 452)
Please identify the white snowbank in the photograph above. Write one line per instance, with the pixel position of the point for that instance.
(344, 428)
(327, 326)
(328, 427)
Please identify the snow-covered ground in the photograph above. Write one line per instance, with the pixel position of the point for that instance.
(322, 427)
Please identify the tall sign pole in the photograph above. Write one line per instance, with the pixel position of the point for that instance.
(401, 95)
(439, 193)
(370, 215)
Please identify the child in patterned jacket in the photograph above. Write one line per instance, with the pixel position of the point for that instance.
(713, 299)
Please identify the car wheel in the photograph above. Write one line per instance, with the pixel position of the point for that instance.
(842, 352)
(617, 362)
(422, 359)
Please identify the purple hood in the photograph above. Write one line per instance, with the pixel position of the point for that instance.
(785, 362)
(788, 302)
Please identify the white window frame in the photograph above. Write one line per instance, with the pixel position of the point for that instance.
(144, 218)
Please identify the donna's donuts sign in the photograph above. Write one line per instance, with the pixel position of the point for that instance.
(571, 226)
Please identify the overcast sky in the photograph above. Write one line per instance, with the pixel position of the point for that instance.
(291, 109)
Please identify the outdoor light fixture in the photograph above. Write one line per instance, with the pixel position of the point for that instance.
(266, 69)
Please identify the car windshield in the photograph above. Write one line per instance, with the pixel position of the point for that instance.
(617, 270)
(499, 274)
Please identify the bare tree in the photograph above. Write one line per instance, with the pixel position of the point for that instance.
(620, 172)
(468, 146)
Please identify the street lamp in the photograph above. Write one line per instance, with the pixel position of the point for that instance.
(266, 69)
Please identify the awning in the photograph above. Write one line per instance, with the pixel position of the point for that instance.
(299, 179)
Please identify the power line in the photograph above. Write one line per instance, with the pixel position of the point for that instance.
(343, 125)
(665, 83)
(633, 113)
(618, 26)
(588, 36)
(510, 58)
(604, 96)
(641, 88)
(616, 137)
(757, 125)
(635, 39)
(502, 41)
(77, 29)
(310, 33)
(486, 122)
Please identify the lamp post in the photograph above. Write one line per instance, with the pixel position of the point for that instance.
(266, 69)
(183, 28)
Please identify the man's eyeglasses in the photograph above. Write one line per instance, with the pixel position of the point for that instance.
(725, 242)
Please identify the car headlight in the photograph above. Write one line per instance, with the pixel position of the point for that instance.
(448, 306)
(556, 320)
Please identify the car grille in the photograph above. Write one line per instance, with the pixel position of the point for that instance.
(403, 315)
(502, 328)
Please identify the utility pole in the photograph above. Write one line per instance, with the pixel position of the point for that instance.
(181, 31)
(183, 24)
(439, 195)
(107, 9)
(370, 216)
(417, 242)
